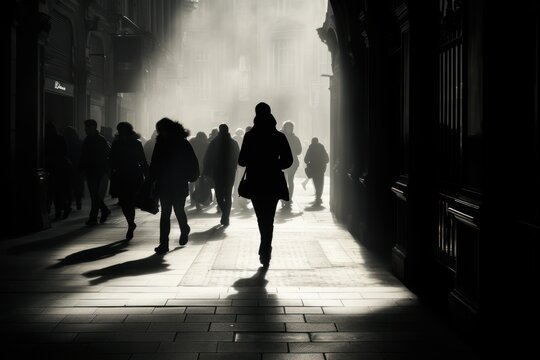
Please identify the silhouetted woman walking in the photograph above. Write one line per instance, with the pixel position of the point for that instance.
(173, 165)
(265, 153)
(128, 170)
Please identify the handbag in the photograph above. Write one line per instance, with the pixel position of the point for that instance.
(147, 199)
(245, 188)
(309, 171)
(203, 193)
(113, 184)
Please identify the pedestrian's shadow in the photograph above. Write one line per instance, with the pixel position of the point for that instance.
(314, 207)
(216, 232)
(203, 213)
(149, 265)
(93, 254)
(285, 215)
(241, 213)
(258, 280)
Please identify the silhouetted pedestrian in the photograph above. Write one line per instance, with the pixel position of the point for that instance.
(238, 137)
(316, 159)
(220, 164)
(128, 169)
(107, 133)
(95, 164)
(173, 165)
(60, 169)
(199, 144)
(296, 148)
(265, 153)
(213, 133)
(149, 147)
(74, 147)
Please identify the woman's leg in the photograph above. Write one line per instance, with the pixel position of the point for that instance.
(318, 182)
(181, 217)
(265, 210)
(165, 221)
(93, 190)
(128, 209)
(290, 181)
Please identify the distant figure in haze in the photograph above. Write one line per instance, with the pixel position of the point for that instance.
(317, 158)
(95, 164)
(128, 170)
(238, 137)
(265, 153)
(149, 146)
(220, 164)
(213, 134)
(296, 148)
(107, 133)
(199, 144)
(173, 165)
(74, 148)
(60, 169)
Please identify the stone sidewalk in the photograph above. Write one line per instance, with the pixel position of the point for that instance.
(73, 292)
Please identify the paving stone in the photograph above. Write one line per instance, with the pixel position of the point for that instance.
(125, 337)
(263, 347)
(94, 327)
(271, 337)
(188, 346)
(294, 357)
(253, 327)
(310, 327)
(210, 318)
(205, 336)
(229, 356)
(303, 310)
(178, 327)
(169, 310)
(155, 318)
(165, 356)
(250, 310)
(109, 318)
(270, 318)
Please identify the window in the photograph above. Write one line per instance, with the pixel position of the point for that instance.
(284, 66)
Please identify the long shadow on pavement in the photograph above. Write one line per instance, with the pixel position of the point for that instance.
(93, 254)
(216, 232)
(149, 265)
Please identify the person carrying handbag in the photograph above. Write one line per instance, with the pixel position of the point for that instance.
(265, 153)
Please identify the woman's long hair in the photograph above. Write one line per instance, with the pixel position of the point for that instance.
(125, 131)
(172, 128)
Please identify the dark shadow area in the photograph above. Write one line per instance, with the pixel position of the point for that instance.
(216, 232)
(152, 264)
(93, 254)
(50, 242)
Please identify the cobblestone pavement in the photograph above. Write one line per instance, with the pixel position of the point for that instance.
(73, 292)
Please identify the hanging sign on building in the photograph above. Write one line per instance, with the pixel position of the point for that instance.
(58, 87)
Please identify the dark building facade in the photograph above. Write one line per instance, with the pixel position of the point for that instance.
(69, 61)
(435, 106)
